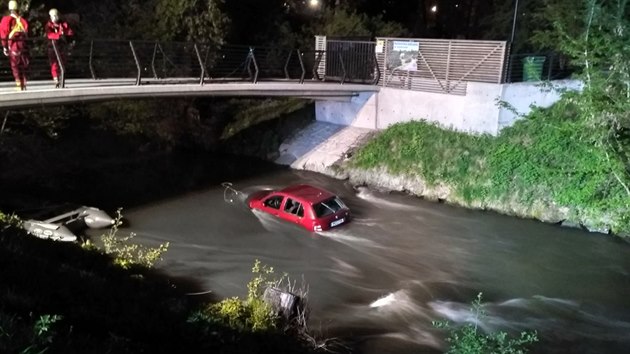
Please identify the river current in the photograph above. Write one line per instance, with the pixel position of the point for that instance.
(379, 281)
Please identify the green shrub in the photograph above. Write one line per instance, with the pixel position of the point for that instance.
(551, 156)
(24, 337)
(437, 155)
(545, 150)
(262, 317)
(11, 220)
(469, 339)
(421, 148)
(232, 312)
(251, 314)
(125, 253)
(263, 277)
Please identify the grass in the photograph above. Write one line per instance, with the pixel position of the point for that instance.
(548, 159)
(420, 149)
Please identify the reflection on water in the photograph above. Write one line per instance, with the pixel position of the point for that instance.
(403, 262)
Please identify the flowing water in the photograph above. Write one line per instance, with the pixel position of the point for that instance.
(403, 262)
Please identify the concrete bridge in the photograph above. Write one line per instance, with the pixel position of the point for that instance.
(102, 70)
(41, 93)
(350, 82)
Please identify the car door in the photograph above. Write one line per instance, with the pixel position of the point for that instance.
(272, 204)
(293, 210)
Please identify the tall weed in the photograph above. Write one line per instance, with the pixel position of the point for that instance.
(251, 314)
(470, 339)
(125, 253)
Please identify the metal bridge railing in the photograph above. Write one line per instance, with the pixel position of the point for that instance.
(352, 61)
(151, 62)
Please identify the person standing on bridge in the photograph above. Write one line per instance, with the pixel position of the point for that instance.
(13, 35)
(59, 33)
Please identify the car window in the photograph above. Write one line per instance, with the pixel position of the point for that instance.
(329, 206)
(274, 202)
(294, 207)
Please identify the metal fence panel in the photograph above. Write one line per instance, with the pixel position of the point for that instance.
(350, 61)
(443, 66)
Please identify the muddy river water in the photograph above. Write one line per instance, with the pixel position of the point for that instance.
(401, 263)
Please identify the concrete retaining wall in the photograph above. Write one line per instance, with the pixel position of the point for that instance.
(522, 95)
(476, 112)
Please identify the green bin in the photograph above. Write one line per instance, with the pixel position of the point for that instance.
(532, 68)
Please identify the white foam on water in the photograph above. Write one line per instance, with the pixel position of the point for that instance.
(417, 335)
(541, 313)
(556, 301)
(398, 302)
(270, 222)
(549, 312)
(258, 187)
(343, 235)
(516, 302)
(491, 318)
(384, 301)
(345, 268)
(370, 222)
(454, 311)
(365, 194)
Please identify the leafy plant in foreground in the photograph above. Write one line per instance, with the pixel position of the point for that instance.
(469, 339)
(35, 338)
(251, 314)
(125, 253)
(10, 220)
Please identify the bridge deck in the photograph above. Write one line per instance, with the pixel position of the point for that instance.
(87, 90)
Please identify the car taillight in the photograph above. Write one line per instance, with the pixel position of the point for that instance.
(317, 227)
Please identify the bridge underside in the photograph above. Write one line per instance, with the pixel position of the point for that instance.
(41, 93)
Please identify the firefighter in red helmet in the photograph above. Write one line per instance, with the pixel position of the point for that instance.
(60, 32)
(13, 35)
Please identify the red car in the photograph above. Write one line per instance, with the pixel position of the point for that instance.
(313, 208)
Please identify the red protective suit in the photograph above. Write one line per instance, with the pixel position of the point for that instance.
(59, 32)
(13, 34)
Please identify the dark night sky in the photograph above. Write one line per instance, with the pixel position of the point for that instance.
(451, 19)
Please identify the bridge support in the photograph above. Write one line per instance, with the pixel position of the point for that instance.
(479, 111)
(360, 111)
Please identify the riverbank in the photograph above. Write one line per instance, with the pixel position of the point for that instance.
(63, 298)
(79, 300)
(542, 168)
(405, 233)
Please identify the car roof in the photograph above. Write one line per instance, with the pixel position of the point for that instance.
(308, 193)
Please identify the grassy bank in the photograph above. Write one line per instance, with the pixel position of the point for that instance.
(548, 166)
(61, 298)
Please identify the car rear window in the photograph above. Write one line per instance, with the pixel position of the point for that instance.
(328, 207)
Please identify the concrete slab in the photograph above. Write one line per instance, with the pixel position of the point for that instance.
(320, 145)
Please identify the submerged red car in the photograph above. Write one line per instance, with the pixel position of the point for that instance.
(311, 207)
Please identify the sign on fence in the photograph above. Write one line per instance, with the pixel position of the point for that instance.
(406, 46)
(403, 56)
(439, 65)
